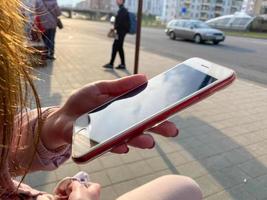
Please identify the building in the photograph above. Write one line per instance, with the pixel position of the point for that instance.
(95, 5)
(171, 9)
(252, 7)
(193, 9)
(264, 7)
(207, 9)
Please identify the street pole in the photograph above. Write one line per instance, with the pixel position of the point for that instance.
(138, 35)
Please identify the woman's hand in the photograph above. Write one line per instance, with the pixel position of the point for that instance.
(94, 95)
(78, 191)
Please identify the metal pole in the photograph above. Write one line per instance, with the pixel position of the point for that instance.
(138, 35)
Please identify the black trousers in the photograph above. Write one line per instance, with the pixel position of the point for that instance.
(118, 47)
(49, 40)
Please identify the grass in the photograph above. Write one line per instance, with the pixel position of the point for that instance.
(248, 34)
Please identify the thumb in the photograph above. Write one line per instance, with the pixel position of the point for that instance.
(76, 190)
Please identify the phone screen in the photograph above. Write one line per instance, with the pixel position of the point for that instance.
(140, 104)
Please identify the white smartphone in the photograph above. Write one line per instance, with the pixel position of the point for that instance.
(117, 121)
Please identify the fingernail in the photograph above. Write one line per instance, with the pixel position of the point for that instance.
(127, 150)
(154, 144)
(176, 134)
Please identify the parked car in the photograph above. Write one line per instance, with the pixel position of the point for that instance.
(194, 30)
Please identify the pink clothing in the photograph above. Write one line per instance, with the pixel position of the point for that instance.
(44, 160)
(171, 187)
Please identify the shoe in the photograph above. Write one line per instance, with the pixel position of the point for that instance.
(108, 66)
(121, 67)
(51, 57)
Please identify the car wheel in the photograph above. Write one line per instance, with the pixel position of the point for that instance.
(172, 36)
(216, 42)
(197, 39)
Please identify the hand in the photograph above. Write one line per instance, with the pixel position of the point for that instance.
(77, 191)
(95, 94)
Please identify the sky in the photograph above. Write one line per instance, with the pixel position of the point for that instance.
(68, 2)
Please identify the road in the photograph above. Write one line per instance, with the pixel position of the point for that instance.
(246, 56)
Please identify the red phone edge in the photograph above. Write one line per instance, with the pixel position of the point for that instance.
(119, 140)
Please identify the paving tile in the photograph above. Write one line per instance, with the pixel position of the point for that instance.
(157, 164)
(119, 174)
(256, 189)
(41, 178)
(230, 177)
(192, 169)
(170, 146)
(215, 162)
(139, 168)
(67, 170)
(237, 156)
(239, 193)
(131, 156)
(176, 158)
(208, 185)
(125, 187)
(221, 196)
(101, 178)
(108, 193)
(148, 153)
(204, 151)
(145, 179)
(253, 168)
(112, 160)
(92, 166)
(187, 155)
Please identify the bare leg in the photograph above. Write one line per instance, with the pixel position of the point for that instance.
(170, 187)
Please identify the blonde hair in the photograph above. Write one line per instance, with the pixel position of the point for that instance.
(16, 83)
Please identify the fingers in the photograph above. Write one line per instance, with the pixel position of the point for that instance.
(119, 86)
(77, 190)
(167, 129)
(144, 141)
(120, 149)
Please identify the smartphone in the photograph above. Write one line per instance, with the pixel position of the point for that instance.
(127, 115)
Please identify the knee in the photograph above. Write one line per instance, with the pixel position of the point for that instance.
(185, 187)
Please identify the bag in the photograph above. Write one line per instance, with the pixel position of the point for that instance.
(59, 24)
(111, 33)
(38, 24)
(133, 23)
(35, 35)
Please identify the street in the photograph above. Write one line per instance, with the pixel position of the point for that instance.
(246, 56)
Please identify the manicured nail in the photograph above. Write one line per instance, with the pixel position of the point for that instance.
(154, 144)
(176, 134)
(127, 150)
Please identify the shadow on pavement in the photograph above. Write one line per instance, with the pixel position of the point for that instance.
(217, 157)
(115, 73)
(44, 85)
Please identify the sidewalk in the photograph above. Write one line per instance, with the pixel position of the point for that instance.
(222, 142)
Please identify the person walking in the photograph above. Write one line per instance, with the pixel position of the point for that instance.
(48, 12)
(121, 27)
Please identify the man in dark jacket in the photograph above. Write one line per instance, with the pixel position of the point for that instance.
(122, 26)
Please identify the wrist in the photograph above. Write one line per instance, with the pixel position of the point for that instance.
(52, 134)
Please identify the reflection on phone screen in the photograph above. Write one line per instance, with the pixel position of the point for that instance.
(137, 106)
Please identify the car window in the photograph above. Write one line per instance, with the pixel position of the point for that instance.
(187, 24)
(179, 23)
(199, 25)
(171, 23)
